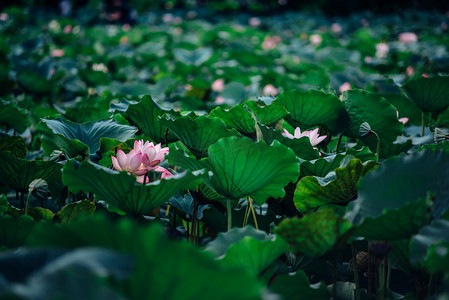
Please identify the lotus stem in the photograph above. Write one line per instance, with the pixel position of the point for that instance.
(338, 142)
(356, 273)
(378, 145)
(422, 124)
(246, 216)
(229, 212)
(168, 210)
(28, 203)
(254, 213)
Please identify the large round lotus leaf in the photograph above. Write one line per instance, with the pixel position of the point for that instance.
(144, 115)
(120, 189)
(406, 109)
(163, 268)
(315, 234)
(429, 94)
(322, 166)
(240, 117)
(58, 133)
(376, 111)
(401, 181)
(14, 231)
(197, 132)
(15, 144)
(18, 173)
(247, 248)
(291, 286)
(75, 210)
(302, 147)
(314, 108)
(431, 246)
(13, 117)
(242, 168)
(336, 188)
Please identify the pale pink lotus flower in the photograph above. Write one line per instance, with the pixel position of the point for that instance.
(408, 37)
(402, 120)
(167, 18)
(368, 59)
(270, 42)
(165, 174)
(4, 17)
(382, 50)
(270, 90)
(57, 53)
(336, 28)
(425, 75)
(218, 85)
(410, 71)
(131, 162)
(220, 100)
(316, 39)
(345, 87)
(254, 21)
(151, 155)
(126, 27)
(68, 29)
(99, 67)
(313, 135)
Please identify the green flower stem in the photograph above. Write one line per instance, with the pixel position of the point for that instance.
(378, 145)
(338, 142)
(254, 213)
(356, 273)
(422, 124)
(229, 212)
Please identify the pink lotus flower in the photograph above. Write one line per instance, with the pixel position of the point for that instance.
(313, 135)
(254, 21)
(408, 37)
(220, 100)
(57, 53)
(270, 90)
(345, 87)
(382, 50)
(402, 120)
(131, 162)
(151, 155)
(410, 71)
(165, 174)
(218, 85)
(316, 39)
(270, 42)
(336, 28)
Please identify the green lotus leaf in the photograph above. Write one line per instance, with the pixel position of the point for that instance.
(13, 117)
(120, 189)
(431, 247)
(316, 234)
(240, 118)
(406, 108)
(429, 94)
(37, 213)
(376, 111)
(243, 168)
(322, 166)
(197, 132)
(195, 57)
(74, 211)
(35, 83)
(314, 108)
(339, 188)
(290, 286)
(247, 248)
(60, 134)
(18, 173)
(144, 115)
(14, 231)
(198, 276)
(400, 181)
(15, 144)
(302, 147)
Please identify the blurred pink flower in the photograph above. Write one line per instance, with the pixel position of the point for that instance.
(313, 135)
(408, 37)
(402, 120)
(382, 50)
(4, 17)
(410, 71)
(270, 42)
(218, 85)
(270, 90)
(345, 87)
(444, 25)
(316, 39)
(68, 29)
(57, 53)
(254, 21)
(368, 59)
(425, 75)
(336, 28)
(124, 40)
(220, 100)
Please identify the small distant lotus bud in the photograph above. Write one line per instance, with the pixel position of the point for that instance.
(38, 188)
(345, 87)
(408, 37)
(316, 39)
(57, 155)
(380, 248)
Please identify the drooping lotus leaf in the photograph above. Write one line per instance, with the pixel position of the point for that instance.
(322, 166)
(75, 210)
(302, 147)
(13, 117)
(316, 234)
(198, 276)
(247, 248)
(120, 189)
(197, 132)
(376, 111)
(60, 134)
(312, 192)
(195, 57)
(243, 168)
(400, 181)
(15, 144)
(429, 94)
(144, 115)
(14, 230)
(314, 108)
(18, 173)
(240, 118)
(290, 286)
(431, 247)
